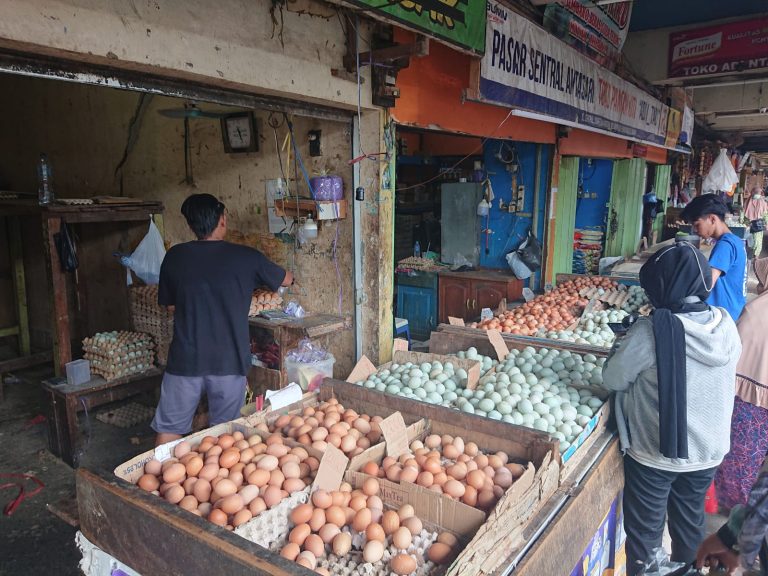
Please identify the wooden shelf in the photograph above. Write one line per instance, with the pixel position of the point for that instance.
(319, 209)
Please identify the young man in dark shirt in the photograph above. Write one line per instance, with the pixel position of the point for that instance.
(208, 284)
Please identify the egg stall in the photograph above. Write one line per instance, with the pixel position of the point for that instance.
(493, 525)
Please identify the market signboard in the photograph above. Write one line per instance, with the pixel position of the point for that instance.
(597, 31)
(458, 22)
(721, 49)
(525, 67)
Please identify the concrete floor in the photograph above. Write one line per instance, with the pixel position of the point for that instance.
(33, 540)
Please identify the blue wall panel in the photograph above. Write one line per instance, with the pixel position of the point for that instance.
(510, 229)
(590, 212)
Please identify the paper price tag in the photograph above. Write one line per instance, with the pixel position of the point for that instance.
(362, 370)
(494, 337)
(395, 434)
(330, 473)
(165, 451)
(399, 344)
(284, 397)
(455, 321)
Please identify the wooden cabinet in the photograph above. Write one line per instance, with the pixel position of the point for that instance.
(464, 294)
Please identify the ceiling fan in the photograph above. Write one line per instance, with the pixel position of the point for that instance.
(189, 111)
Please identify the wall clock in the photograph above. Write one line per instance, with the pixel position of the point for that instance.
(239, 133)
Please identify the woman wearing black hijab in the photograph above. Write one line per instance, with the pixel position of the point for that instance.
(674, 373)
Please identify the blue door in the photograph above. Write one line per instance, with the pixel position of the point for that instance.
(419, 306)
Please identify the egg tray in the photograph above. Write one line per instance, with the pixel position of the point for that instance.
(270, 528)
(353, 564)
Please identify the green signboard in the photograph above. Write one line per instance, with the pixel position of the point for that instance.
(458, 22)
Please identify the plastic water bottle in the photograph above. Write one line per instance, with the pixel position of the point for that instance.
(417, 249)
(44, 181)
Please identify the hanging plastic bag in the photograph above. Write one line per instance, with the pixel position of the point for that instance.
(147, 258)
(659, 564)
(67, 249)
(530, 252)
(721, 177)
(519, 269)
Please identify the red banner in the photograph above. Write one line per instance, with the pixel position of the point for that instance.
(722, 49)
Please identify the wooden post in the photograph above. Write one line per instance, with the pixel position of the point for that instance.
(19, 283)
(62, 350)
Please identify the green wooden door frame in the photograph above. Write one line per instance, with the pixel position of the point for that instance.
(625, 209)
(565, 215)
(663, 178)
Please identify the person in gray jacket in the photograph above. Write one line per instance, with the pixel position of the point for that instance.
(674, 373)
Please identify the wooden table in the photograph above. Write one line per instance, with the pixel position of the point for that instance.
(65, 401)
(287, 333)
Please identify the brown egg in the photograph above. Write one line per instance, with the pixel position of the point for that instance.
(321, 499)
(226, 441)
(174, 494)
(176, 472)
(403, 564)
(335, 515)
(458, 471)
(374, 503)
(272, 496)
(390, 521)
(189, 484)
(301, 514)
(375, 532)
(348, 443)
(449, 539)
(218, 517)
(267, 462)
(232, 504)
(432, 441)
(458, 442)
(209, 472)
(299, 534)
(292, 485)
(405, 511)
(257, 506)
(290, 551)
(439, 553)
(471, 449)
(402, 538)
(432, 465)
(225, 487)
(194, 465)
(370, 486)
(451, 452)
(413, 524)
(291, 470)
(470, 496)
(148, 482)
(516, 469)
(393, 473)
(317, 520)
(440, 478)
(373, 551)
(482, 461)
(242, 517)
(259, 478)
(349, 515)
(153, 467)
(248, 493)
(485, 499)
(454, 489)
(202, 490)
(409, 474)
(204, 508)
(307, 559)
(276, 477)
(181, 448)
(358, 502)
(214, 451)
(425, 479)
(315, 544)
(362, 519)
(342, 543)
(328, 532)
(247, 455)
(476, 479)
(503, 478)
(338, 498)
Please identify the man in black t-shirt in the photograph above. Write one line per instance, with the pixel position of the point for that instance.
(208, 284)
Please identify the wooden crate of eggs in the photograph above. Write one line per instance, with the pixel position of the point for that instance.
(227, 474)
(358, 529)
(262, 300)
(116, 354)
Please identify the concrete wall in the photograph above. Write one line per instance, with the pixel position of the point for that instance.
(231, 44)
(84, 130)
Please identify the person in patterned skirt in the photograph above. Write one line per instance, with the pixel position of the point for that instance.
(749, 424)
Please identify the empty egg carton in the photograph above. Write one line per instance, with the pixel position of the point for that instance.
(270, 528)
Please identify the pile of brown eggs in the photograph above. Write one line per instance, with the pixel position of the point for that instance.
(329, 520)
(329, 423)
(452, 467)
(229, 479)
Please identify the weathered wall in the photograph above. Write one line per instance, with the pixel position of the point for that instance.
(85, 129)
(229, 44)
